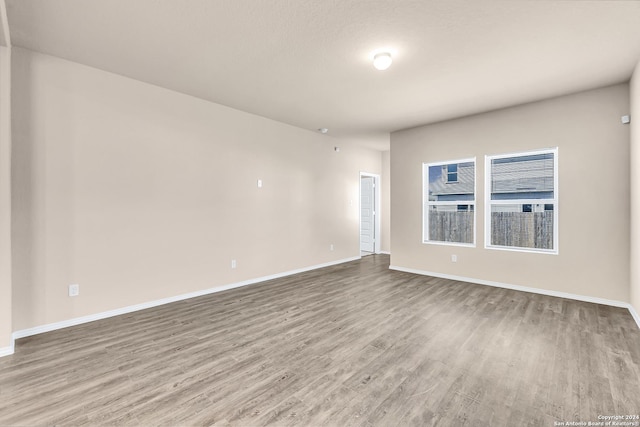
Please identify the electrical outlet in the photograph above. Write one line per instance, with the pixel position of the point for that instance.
(234, 264)
(331, 247)
(454, 258)
(74, 290)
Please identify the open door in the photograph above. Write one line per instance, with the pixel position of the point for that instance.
(369, 228)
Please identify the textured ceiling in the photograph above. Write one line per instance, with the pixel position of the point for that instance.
(307, 62)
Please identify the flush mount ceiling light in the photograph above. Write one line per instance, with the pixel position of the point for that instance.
(382, 61)
(323, 130)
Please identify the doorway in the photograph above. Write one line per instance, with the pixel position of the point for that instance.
(369, 214)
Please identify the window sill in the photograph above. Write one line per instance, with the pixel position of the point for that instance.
(526, 250)
(434, 242)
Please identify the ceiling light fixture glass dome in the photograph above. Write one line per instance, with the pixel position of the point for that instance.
(382, 61)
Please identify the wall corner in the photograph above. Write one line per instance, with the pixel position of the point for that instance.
(634, 252)
(6, 325)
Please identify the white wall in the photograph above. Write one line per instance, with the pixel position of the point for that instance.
(593, 208)
(635, 189)
(5, 200)
(139, 193)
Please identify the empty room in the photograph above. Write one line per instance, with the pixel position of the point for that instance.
(319, 213)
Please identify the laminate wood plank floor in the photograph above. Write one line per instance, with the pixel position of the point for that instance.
(353, 344)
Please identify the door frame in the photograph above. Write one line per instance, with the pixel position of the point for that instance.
(376, 209)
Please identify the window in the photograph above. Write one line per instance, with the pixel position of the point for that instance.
(452, 172)
(522, 201)
(449, 202)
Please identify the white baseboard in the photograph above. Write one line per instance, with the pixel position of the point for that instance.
(635, 315)
(577, 297)
(385, 252)
(129, 309)
(7, 351)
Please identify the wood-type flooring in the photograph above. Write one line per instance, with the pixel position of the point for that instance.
(352, 344)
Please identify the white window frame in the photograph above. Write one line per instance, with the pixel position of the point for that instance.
(426, 203)
(489, 202)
